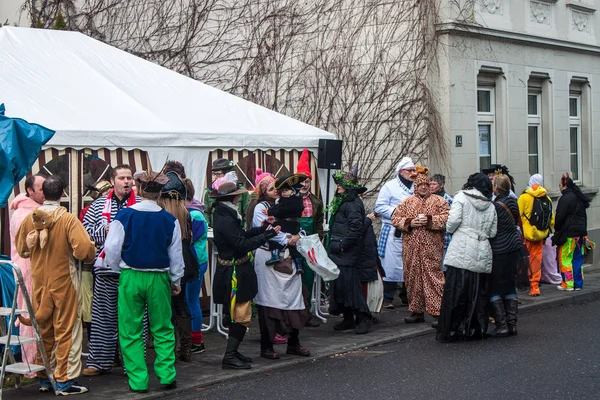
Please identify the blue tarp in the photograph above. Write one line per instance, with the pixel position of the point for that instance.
(20, 145)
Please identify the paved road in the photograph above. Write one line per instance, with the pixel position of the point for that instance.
(555, 356)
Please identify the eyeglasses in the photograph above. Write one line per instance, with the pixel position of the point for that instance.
(410, 169)
(218, 173)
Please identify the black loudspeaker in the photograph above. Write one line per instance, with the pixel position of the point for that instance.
(330, 154)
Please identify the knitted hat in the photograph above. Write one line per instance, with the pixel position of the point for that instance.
(420, 177)
(349, 180)
(262, 181)
(303, 164)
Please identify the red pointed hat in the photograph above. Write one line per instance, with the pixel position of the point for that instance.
(303, 164)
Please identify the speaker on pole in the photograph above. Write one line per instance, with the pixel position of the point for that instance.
(330, 154)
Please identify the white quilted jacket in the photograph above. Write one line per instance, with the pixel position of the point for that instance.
(472, 222)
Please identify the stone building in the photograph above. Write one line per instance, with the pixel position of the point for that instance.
(518, 83)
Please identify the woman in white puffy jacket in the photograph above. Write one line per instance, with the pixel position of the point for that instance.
(472, 222)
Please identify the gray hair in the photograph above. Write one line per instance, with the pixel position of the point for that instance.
(439, 178)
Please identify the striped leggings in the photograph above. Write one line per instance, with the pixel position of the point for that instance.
(104, 333)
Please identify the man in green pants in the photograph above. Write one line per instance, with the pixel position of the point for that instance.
(144, 244)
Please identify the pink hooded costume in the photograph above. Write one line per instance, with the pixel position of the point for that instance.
(22, 206)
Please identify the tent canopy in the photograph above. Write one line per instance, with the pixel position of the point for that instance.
(97, 96)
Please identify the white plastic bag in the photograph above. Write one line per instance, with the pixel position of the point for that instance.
(315, 254)
(375, 294)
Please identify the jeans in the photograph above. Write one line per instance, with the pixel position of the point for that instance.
(193, 289)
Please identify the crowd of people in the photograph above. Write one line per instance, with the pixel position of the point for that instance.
(144, 246)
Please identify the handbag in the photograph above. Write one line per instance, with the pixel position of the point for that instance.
(285, 265)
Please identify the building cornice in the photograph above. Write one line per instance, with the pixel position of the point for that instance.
(579, 6)
(447, 28)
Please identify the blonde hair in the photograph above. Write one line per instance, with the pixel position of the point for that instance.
(178, 210)
(503, 183)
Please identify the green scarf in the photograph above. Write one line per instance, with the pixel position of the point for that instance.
(332, 210)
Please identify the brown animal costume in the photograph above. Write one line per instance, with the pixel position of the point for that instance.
(53, 239)
(423, 248)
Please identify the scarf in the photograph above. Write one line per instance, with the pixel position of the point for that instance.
(332, 210)
(106, 216)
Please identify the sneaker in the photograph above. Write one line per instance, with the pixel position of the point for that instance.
(565, 289)
(387, 305)
(198, 348)
(44, 389)
(577, 288)
(75, 388)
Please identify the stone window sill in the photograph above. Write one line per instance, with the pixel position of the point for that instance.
(590, 191)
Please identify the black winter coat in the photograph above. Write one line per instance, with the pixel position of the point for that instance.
(570, 215)
(287, 212)
(368, 262)
(233, 242)
(346, 242)
(507, 237)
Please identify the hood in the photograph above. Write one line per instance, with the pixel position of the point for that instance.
(24, 202)
(477, 200)
(539, 192)
(195, 205)
(43, 220)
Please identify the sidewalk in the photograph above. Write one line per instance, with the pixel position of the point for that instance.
(205, 369)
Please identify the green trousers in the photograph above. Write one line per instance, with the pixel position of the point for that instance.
(138, 290)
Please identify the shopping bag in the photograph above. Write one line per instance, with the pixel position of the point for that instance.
(311, 248)
(375, 294)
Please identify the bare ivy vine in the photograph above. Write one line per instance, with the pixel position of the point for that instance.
(357, 68)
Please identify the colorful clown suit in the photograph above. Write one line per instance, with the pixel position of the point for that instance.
(570, 261)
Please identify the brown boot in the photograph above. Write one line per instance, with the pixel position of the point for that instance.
(414, 318)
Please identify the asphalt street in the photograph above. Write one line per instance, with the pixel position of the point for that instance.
(555, 356)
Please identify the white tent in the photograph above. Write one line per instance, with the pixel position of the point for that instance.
(99, 97)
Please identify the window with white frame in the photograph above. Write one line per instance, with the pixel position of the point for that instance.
(485, 126)
(575, 135)
(534, 130)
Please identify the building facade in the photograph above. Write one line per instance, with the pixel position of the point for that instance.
(518, 83)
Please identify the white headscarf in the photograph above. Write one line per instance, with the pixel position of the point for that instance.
(536, 179)
(405, 163)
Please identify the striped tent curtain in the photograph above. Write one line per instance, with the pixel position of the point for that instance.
(73, 174)
(277, 162)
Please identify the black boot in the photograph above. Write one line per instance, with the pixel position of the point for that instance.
(512, 307)
(184, 327)
(501, 329)
(347, 323)
(363, 323)
(231, 359)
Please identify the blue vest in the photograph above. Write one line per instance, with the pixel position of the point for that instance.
(148, 236)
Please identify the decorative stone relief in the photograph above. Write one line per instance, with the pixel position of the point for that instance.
(581, 21)
(492, 6)
(540, 12)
